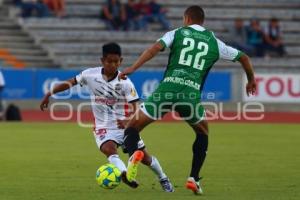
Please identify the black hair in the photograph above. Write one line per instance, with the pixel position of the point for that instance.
(273, 19)
(111, 48)
(196, 13)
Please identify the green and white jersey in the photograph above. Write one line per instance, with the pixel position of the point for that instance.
(194, 50)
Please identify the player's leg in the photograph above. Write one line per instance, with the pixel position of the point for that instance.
(148, 112)
(199, 148)
(109, 148)
(199, 154)
(131, 138)
(153, 163)
(134, 126)
(194, 113)
(107, 142)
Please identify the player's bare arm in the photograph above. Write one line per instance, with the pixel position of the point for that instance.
(251, 85)
(58, 88)
(147, 55)
(133, 108)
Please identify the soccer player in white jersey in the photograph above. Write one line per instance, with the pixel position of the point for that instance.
(110, 99)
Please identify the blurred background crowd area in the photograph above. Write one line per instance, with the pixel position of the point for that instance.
(69, 34)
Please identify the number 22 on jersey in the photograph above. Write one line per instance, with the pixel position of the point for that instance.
(187, 54)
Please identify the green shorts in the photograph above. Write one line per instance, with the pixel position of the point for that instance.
(186, 104)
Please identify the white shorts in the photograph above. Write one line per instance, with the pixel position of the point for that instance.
(116, 135)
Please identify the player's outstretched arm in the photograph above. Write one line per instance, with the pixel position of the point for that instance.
(58, 88)
(147, 55)
(251, 85)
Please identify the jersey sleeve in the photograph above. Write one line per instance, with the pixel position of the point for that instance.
(81, 78)
(227, 52)
(131, 94)
(167, 39)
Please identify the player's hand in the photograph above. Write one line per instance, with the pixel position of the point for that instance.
(45, 102)
(251, 88)
(123, 75)
(121, 123)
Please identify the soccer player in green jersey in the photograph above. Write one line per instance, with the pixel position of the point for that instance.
(193, 52)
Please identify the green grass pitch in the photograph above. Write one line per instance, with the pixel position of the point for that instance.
(45, 161)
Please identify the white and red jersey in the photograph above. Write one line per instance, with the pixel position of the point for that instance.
(109, 99)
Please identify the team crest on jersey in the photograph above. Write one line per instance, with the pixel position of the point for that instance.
(133, 92)
(186, 32)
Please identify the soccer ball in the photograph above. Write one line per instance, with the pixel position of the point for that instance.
(108, 176)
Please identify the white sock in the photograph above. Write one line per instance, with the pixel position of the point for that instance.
(115, 159)
(156, 168)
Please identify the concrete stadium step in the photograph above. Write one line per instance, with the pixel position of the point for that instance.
(97, 50)
(119, 36)
(235, 3)
(72, 24)
(8, 25)
(95, 47)
(83, 35)
(288, 38)
(95, 57)
(97, 25)
(64, 24)
(28, 52)
(93, 11)
(41, 64)
(225, 25)
(293, 51)
(15, 39)
(3, 11)
(246, 13)
(8, 32)
(207, 3)
(31, 58)
(17, 45)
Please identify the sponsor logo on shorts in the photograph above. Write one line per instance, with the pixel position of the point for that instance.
(101, 132)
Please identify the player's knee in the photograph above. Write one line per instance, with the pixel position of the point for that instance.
(131, 139)
(108, 149)
(135, 124)
(131, 133)
(203, 131)
(201, 128)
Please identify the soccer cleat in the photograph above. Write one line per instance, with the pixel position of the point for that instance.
(166, 185)
(133, 163)
(132, 184)
(193, 185)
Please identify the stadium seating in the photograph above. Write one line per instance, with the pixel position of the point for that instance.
(18, 48)
(76, 41)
